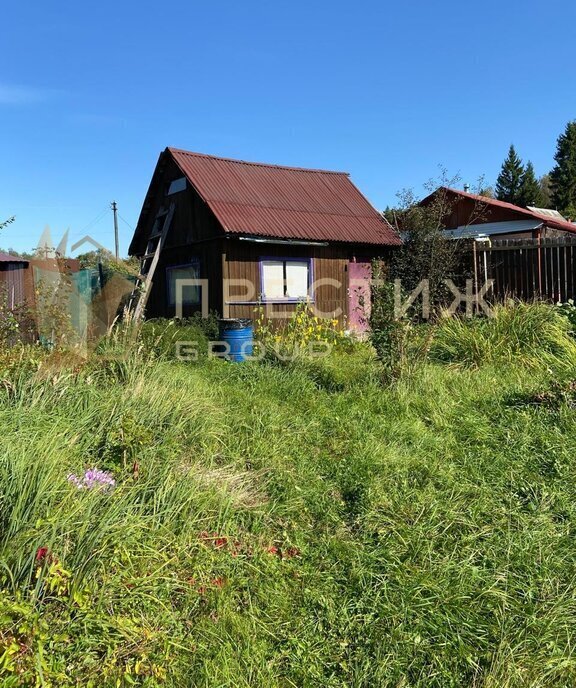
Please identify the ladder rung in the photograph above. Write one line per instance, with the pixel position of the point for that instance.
(139, 296)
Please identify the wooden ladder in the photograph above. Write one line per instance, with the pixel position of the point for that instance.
(148, 263)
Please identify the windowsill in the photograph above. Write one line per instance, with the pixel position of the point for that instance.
(300, 299)
(269, 301)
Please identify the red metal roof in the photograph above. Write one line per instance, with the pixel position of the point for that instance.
(7, 258)
(545, 219)
(284, 202)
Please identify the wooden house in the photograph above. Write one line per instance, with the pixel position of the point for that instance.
(258, 234)
(470, 216)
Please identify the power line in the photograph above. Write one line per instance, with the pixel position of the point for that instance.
(125, 222)
(100, 231)
(95, 220)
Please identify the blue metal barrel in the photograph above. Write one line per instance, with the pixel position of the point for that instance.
(238, 334)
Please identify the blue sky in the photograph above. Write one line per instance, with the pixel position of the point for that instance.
(90, 93)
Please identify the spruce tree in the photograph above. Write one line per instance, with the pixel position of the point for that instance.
(563, 176)
(509, 180)
(530, 191)
(545, 190)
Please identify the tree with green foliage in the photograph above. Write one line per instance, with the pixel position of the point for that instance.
(428, 252)
(530, 191)
(108, 263)
(563, 176)
(486, 191)
(509, 182)
(546, 190)
(389, 215)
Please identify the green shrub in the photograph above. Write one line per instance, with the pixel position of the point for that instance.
(391, 336)
(208, 325)
(568, 310)
(300, 333)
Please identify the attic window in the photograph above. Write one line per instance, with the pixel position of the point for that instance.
(176, 186)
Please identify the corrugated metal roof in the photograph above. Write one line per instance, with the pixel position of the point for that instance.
(552, 222)
(7, 258)
(284, 202)
(547, 212)
(491, 228)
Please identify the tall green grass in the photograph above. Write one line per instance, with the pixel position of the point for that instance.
(519, 333)
(296, 525)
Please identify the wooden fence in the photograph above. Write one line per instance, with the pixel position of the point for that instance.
(528, 269)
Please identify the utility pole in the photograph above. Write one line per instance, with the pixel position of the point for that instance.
(115, 211)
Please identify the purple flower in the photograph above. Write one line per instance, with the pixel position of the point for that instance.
(93, 478)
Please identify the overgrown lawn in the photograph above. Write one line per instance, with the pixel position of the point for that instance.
(272, 525)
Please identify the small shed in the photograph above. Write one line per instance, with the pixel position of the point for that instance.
(13, 273)
(257, 234)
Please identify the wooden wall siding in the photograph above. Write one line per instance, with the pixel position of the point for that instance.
(242, 262)
(467, 210)
(209, 255)
(529, 269)
(16, 295)
(235, 259)
(12, 281)
(192, 221)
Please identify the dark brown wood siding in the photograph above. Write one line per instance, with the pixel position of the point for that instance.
(242, 261)
(208, 255)
(466, 211)
(12, 283)
(196, 234)
(192, 221)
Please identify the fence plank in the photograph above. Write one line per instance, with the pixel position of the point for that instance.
(529, 269)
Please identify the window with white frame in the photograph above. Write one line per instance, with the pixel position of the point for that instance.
(284, 278)
(176, 276)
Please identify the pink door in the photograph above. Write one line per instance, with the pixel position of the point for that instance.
(359, 274)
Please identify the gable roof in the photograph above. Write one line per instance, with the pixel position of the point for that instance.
(543, 218)
(274, 201)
